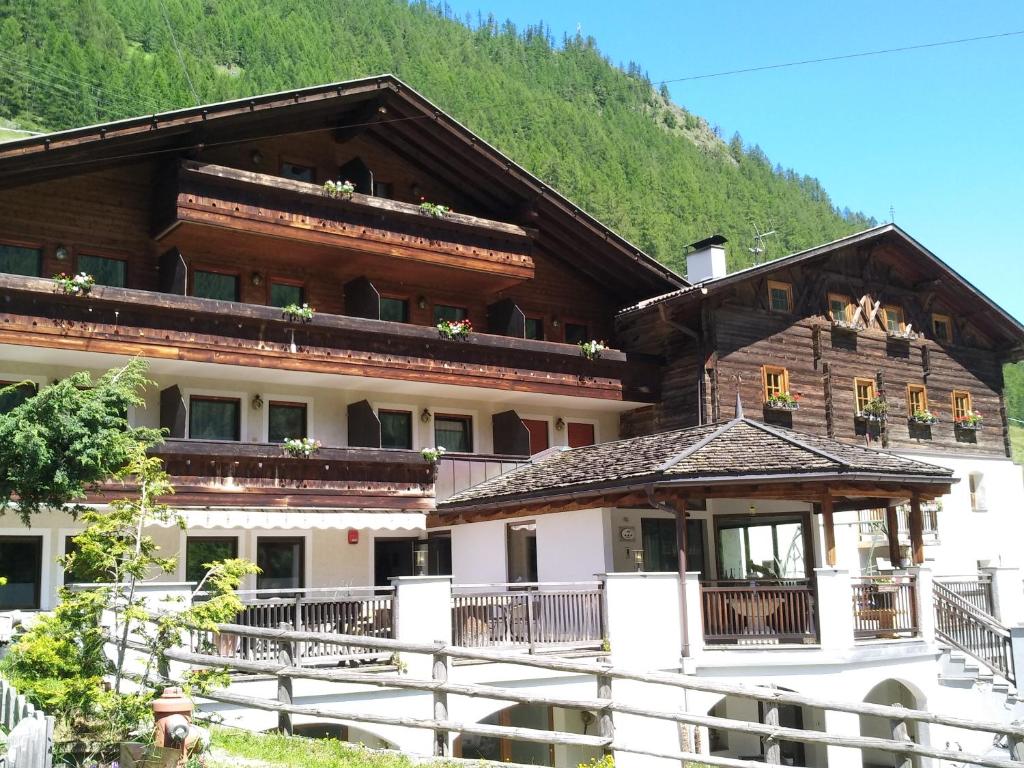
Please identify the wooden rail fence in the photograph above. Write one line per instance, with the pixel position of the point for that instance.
(884, 607)
(758, 613)
(973, 631)
(604, 704)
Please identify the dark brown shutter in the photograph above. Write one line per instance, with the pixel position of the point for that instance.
(511, 437)
(362, 299)
(363, 426)
(172, 412)
(172, 272)
(506, 319)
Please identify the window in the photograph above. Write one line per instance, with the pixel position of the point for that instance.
(18, 260)
(282, 563)
(661, 550)
(580, 434)
(395, 429)
(283, 294)
(961, 405)
(395, 310)
(392, 558)
(202, 550)
(776, 381)
(286, 421)
(21, 392)
(942, 327)
(445, 312)
(215, 285)
(917, 399)
(767, 548)
(535, 328)
(105, 271)
(521, 549)
(864, 393)
(78, 574)
(780, 296)
(576, 333)
(383, 189)
(298, 172)
(453, 433)
(214, 418)
(976, 486)
(22, 558)
(894, 320)
(840, 307)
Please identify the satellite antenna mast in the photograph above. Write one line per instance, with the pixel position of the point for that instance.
(760, 246)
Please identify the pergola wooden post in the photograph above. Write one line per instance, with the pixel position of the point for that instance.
(830, 531)
(892, 532)
(916, 530)
(680, 510)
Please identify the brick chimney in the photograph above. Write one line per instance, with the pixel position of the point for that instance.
(707, 260)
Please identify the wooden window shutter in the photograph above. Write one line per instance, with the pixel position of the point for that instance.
(362, 299)
(363, 426)
(511, 437)
(172, 272)
(172, 412)
(505, 318)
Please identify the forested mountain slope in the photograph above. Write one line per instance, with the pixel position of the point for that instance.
(602, 136)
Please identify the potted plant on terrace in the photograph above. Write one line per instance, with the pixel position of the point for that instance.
(783, 401)
(592, 349)
(79, 285)
(434, 209)
(298, 313)
(848, 326)
(300, 447)
(339, 189)
(876, 409)
(923, 417)
(971, 421)
(457, 330)
(433, 455)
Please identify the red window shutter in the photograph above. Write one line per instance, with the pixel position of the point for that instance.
(580, 434)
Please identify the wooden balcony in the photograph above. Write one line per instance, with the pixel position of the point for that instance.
(759, 613)
(216, 206)
(224, 473)
(158, 325)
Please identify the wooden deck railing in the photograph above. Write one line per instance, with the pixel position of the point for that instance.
(976, 590)
(884, 607)
(973, 631)
(364, 612)
(570, 615)
(758, 613)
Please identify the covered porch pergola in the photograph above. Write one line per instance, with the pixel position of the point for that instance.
(676, 471)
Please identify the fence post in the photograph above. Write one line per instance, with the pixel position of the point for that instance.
(285, 656)
(772, 748)
(530, 634)
(440, 675)
(901, 733)
(605, 724)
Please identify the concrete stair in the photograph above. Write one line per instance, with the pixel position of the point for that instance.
(960, 670)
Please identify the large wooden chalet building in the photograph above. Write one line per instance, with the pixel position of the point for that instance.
(820, 410)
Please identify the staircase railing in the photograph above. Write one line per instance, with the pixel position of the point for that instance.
(973, 631)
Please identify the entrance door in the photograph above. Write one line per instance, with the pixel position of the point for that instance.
(538, 435)
(22, 559)
(391, 558)
(521, 550)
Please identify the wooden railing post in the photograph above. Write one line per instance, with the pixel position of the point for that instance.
(605, 724)
(530, 634)
(299, 651)
(440, 675)
(285, 656)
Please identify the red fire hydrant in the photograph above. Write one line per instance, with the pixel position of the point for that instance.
(172, 713)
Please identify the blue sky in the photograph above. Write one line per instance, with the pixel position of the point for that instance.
(936, 134)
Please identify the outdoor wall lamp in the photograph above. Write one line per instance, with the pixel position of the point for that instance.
(256, 156)
(257, 402)
(559, 424)
(61, 253)
(638, 559)
(426, 416)
(420, 555)
(257, 279)
(421, 302)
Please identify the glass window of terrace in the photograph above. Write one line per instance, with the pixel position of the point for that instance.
(285, 294)
(214, 418)
(18, 260)
(761, 548)
(215, 285)
(286, 421)
(105, 271)
(449, 313)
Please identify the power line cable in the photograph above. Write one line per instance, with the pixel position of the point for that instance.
(181, 58)
(841, 57)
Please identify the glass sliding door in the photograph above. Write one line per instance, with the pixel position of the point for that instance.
(521, 549)
(762, 548)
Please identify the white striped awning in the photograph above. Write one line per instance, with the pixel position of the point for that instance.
(297, 519)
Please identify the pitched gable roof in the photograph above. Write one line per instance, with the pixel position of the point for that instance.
(738, 449)
(382, 105)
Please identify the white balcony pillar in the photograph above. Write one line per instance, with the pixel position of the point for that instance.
(423, 614)
(923, 579)
(1007, 595)
(842, 724)
(835, 608)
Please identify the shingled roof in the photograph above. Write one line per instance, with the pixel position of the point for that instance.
(741, 449)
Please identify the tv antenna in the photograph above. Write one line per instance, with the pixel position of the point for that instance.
(760, 248)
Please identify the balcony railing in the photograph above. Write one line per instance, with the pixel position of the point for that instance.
(975, 590)
(872, 523)
(363, 611)
(884, 607)
(130, 321)
(211, 472)
(758, 613)
(528, 615)
(458, 472)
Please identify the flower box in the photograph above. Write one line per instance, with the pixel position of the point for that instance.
(300, 448)
(875, 410)
(847, 327)
(455, 329)
(782, 402)
(967, 426)
(592, 349)
(900, 335)
(922, 418)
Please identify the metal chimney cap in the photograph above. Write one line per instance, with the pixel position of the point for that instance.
(709, 241)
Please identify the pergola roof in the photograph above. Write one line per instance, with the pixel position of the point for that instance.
(738, 458)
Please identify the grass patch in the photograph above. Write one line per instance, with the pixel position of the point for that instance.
(1017, 442)
(295, 752)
